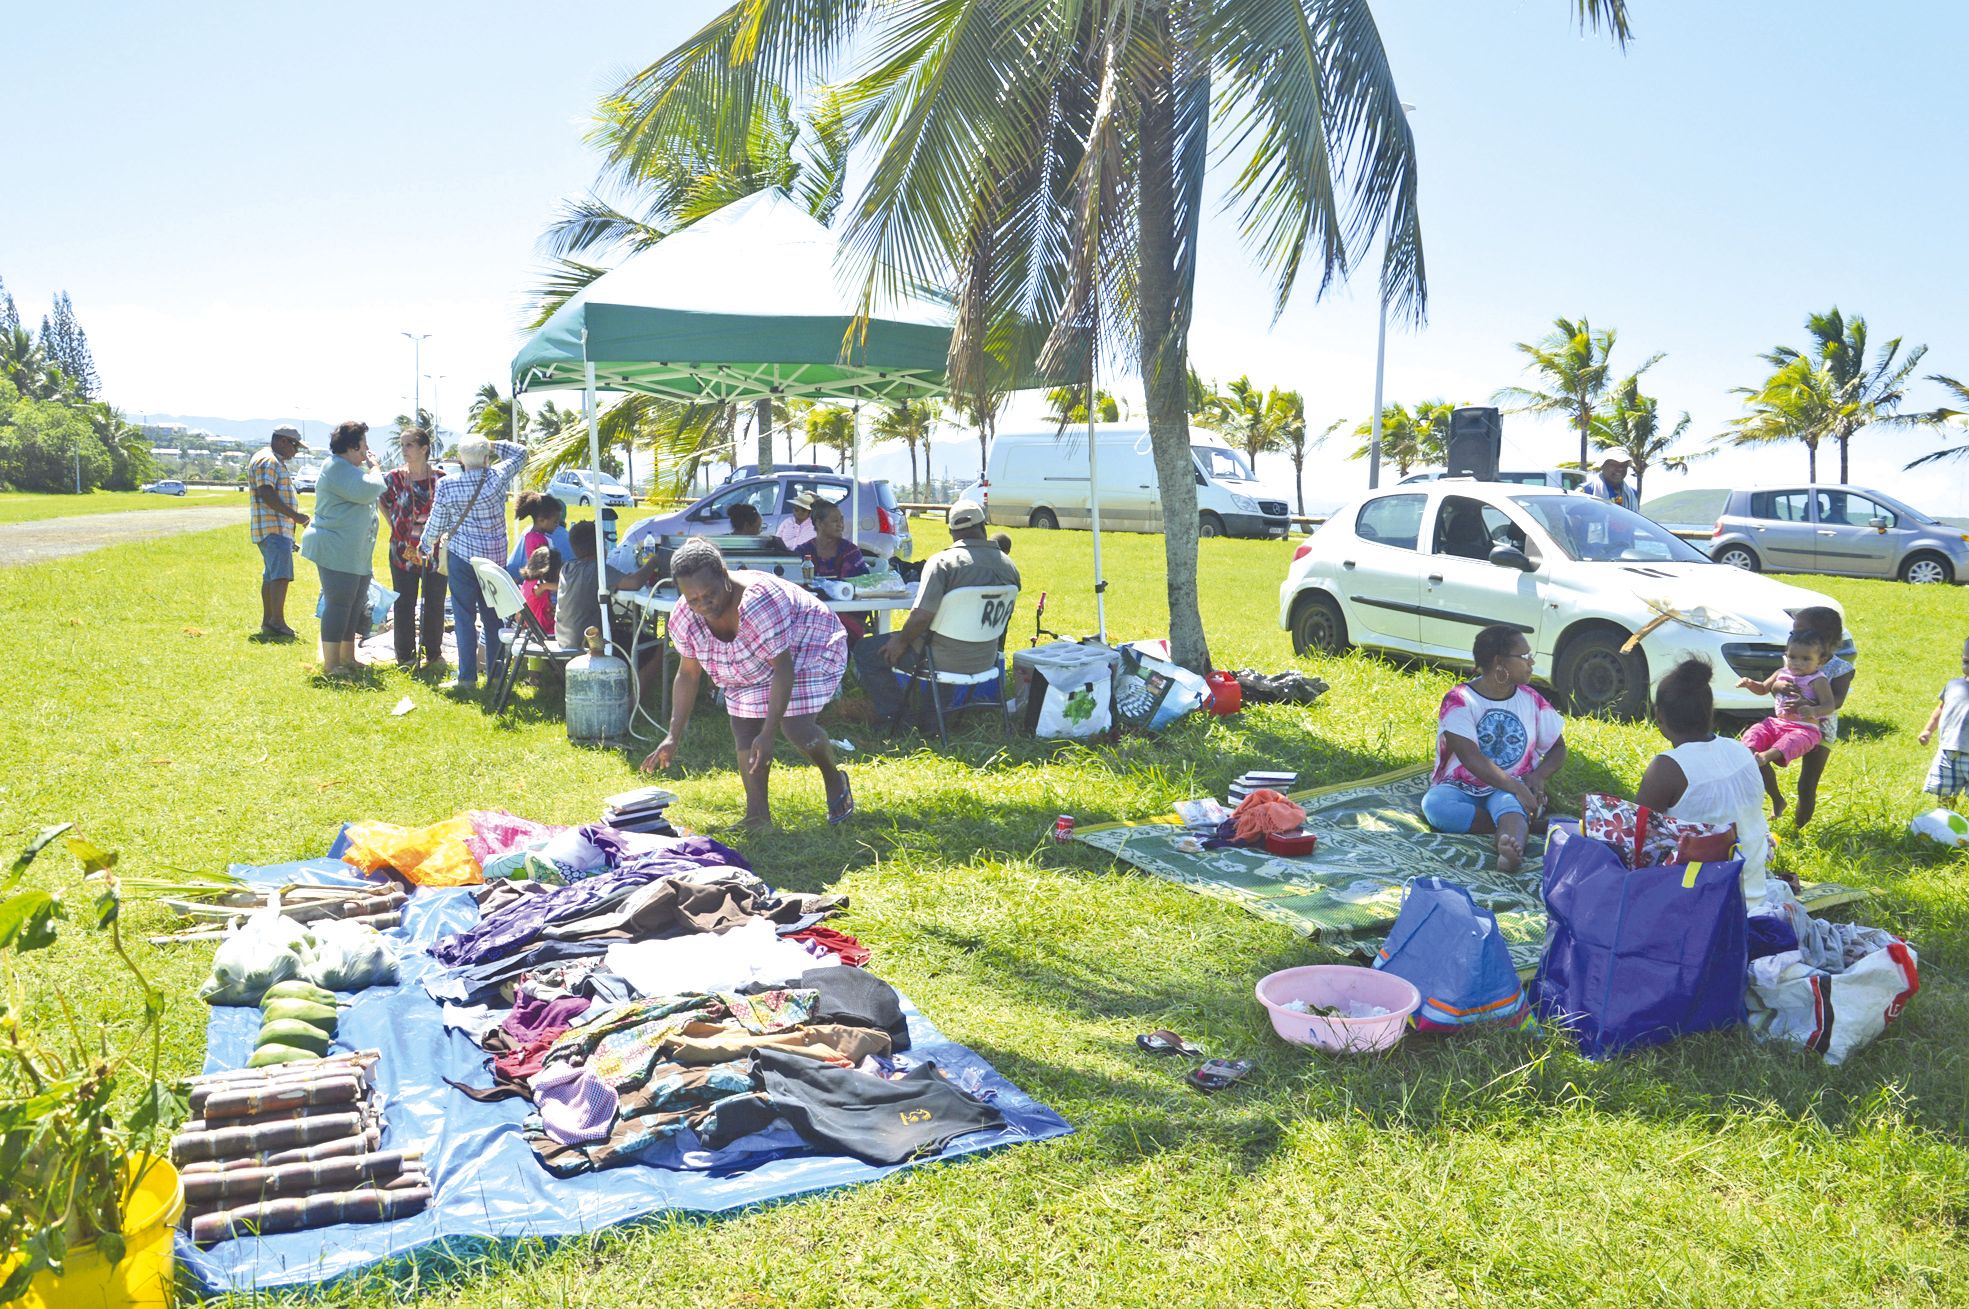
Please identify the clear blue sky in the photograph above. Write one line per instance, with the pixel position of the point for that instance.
(249, 203)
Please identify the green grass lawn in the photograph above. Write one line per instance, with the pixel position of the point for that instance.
(27, 506)
(1485, 1170)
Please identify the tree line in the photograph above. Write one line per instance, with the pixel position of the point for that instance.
(56, 434)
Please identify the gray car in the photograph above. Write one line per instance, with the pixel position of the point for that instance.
(1847, 530)
(884, 527)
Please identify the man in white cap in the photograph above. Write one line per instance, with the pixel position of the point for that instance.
(1610, 483)
(971, 560)
(275, 521)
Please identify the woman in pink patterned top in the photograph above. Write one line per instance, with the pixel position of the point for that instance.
(1497, 741)
(776, 652)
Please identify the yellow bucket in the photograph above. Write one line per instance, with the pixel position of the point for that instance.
(142, 1278)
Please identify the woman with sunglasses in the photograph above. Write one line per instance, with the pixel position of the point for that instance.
(1497, 743)
(776, 652)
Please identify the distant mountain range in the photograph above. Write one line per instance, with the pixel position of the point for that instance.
(249, 429)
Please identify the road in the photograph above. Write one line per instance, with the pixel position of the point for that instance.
(56, 538)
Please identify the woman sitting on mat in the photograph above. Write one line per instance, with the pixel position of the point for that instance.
(834, 556)
(1497, 743)
(1704, 777)
(778, 655)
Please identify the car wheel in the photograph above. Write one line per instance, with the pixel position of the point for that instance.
(587, 501)
(1210, 525)
(1318, 626)
(1044, 518)
(1738, 556)
(1927, 569)
(1598, 681)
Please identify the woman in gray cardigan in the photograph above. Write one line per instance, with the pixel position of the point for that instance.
(342, 543)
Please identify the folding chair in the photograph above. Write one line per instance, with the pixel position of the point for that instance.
(525, 635)
(968, 613)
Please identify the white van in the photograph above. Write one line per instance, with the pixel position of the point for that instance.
(1038, 478)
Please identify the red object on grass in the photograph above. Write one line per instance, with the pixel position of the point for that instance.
(1226, 696)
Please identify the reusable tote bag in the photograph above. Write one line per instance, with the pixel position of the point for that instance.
(1638, 956)
(1448, 947)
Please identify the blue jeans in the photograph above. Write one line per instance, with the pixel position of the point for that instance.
(276, 558)
(472, 620)
(1450, 808)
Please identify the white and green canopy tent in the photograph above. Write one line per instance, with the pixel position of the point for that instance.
(753, 302)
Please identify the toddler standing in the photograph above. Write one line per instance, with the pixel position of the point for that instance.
(1804, 696)
(1948, 776)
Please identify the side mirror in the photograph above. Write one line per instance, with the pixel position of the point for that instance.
(1509, 556)
(1201, 480)
(1880, 522)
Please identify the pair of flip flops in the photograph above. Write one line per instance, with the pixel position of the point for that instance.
(1213, 1075)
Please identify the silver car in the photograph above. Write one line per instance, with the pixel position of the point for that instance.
(1846, 530)
(884, 527)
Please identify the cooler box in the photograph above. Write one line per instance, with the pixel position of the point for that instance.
(1066, 688)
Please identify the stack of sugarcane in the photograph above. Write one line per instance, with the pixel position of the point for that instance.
(292, 1146)
(215, 901)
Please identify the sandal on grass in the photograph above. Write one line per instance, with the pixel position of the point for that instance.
(1164, 1041)
(839, 811)
(1218, 1074)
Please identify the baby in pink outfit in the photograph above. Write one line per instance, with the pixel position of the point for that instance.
(1804, 695)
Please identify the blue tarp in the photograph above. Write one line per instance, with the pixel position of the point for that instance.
(489, 1187)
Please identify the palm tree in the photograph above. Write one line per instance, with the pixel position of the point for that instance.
(1067, 406)
(1286, 412)
(1633, 421)
(1865, 394)
(832, 427)
(911, 423)
(1955, 414)
(1409, 440)
(1572, 360)
(1799, 401)
(1048, 162)
(26, 365)
(1240, 414)
(491, 415)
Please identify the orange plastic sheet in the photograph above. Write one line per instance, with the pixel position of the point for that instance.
(429, 856)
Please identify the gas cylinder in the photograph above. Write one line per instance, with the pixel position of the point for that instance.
(598, 703)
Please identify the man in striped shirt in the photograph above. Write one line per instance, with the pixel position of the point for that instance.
(470, 508)
(274, 519)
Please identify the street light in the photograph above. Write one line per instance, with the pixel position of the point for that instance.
(416, 372)
(437, 424)
(1380, 360)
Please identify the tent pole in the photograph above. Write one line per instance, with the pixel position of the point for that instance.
(1094, 502)
(854, 471)
(601, 540)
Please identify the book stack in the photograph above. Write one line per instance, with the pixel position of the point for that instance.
(640, 810)
(1260, 781)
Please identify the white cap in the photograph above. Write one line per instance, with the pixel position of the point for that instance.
(1616, 455)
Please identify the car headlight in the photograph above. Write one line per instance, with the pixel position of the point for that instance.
(1707, 619)
(1244, 503)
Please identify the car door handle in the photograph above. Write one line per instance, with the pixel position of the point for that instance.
(1436, 577)
(1826, 531)
(1346, 563)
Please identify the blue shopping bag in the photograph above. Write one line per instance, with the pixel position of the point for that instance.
(1448, 947)
(1638, 956)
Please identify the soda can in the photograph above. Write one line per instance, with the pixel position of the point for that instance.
(1063, 828)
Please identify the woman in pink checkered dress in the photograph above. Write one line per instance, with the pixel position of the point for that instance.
(776, 652)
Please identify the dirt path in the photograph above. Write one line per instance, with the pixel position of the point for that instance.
(54, 538)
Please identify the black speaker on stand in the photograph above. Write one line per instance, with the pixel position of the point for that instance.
(1476, 441)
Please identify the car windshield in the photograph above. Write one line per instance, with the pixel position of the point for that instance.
(1595, 531)
(1215, 461)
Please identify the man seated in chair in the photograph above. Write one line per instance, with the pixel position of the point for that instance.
(577, 606)
(971, 560)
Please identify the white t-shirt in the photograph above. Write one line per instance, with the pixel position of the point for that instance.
(1952, 733)
(1725, 786)
(1515, 733)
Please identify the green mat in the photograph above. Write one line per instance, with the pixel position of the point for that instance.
(1372, 840)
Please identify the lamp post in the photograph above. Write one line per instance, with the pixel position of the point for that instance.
(1380, 359)
(436, 424)
(416, 370)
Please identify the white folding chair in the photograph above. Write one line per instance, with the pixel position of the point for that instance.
(967, 613)
(523, 637)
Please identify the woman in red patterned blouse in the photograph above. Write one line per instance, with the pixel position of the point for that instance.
(406, 503)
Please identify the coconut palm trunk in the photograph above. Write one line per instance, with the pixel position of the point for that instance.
(1163, 307)
(762, 418)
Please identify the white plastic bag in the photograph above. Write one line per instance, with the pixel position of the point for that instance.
(1942, 826)
(1073, 686)
(1836, 992)
(343, 956)
(265, 950)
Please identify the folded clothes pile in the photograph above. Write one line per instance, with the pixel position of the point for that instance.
(293, 1146)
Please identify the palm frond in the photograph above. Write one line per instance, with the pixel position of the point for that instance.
(558, 284)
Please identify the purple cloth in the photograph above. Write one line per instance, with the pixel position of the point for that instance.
(514, 926)
(575, 1106)
(533, 1018)
(1771, 935)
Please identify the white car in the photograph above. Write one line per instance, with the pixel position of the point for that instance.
(1421, 569)
(577, 486)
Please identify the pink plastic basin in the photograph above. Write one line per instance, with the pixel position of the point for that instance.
(1342, 985)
